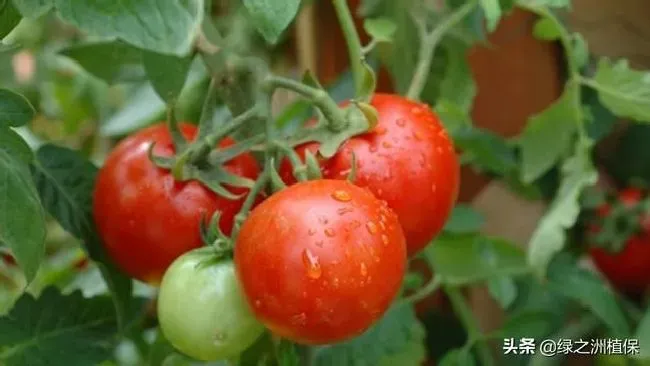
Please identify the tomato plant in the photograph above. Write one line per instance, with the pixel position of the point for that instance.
(201, 309)
(287, 221)
(147, 219)
(408, 149)
(333, 266)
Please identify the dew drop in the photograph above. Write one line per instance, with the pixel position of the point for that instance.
(364, 269)
(341, 196)
(417, 136)
(380, 130)
(417, 111)
(258, 303)
(382, 224)
(373, 148)
(434, 188)
(311, 232)
(386, 144)
(319, 243)
(323, 220)
(220, 339)
(329, 232)
(355, 224)
(312, 265)
(372, 227)
(335, 282)
(384, 239)
(299, 319)
(443, 133)
(401, 122)
(376, 259)
(439, 150)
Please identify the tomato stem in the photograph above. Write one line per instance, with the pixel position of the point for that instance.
(172, 124)
(353, 42)
(429, 42)
(470, 323)
(432, 286)
(206, 121)
(336, 118)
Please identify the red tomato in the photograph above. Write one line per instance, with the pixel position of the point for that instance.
(408, 160)
(146, 218)
(320, 261)
(629, 269)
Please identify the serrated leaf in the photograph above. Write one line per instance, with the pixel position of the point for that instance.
(465, 259)
(567, 278)
(642, 333)
(549, 237)
(65, 182)
(453, 116)
(9, 18)
(397, 334)
(14, 145)
(166, 73)
(22, 220)
(486, 150)
(503, 290)
(492, 10)
(111, 61)
(272, 17)
(624, 91)
(15, 110)
(33, 8)
(547, 30)
(78, 331)
(548, 136)
(464, 219)
(381, 29)
(168, 27)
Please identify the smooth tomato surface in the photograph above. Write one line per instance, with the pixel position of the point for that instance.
(408, 160)
(201, 309)
(320, 261)
(629, 269)
(146, 218)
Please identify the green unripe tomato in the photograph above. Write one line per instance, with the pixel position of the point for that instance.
(201, 308)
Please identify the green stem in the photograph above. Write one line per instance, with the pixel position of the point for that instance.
(299, 169)
(207, 112)
(320, 98)
(174, 130)
(353, 42)
(428, 44)
(582, 327)
(471, 325)
(425, 291)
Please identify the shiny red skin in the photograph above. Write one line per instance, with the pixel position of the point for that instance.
(317, 269)
(146, 218)
(628, 270)
(408, 160)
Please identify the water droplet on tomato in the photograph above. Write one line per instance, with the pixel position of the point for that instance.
(311, 232)
(330, 232)
(387, 144)
(417, 136)
(258, 303)
(380, 130)
(417, 110)
(312, 265)
(364, 269)
(382, 224)
(220, 339)
(376, 259)
(372, 227)
(401, 122)
(434, 188)
(439, 150)
(299, 319)
(384, 239)
(319, 243)
(355, 224)
(335, 282)
(323, 220)
(373, 148)
(344, 210)
(341, 196)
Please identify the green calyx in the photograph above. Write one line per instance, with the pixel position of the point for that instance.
(622, 222)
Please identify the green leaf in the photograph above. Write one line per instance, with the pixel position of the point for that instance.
(74, 330)
(452, 115)
(464, 219)
(547, 30)
(65, 182)
(486, 150)
(492, 10)
(547, 136)
(549, 237)
(272, 17)
(642, 333)
(168, 27)
(9, 18)
(458, 85)
(167, 74)
(584, 287)
(380, 29)
(580, 50)
(623, 91)
(111, 61)
(458, 357)
(287, 354)
(465, 259)
(33, 8)
(15, 110)
(22, 220)
(503, 289)
(548, 3)
(529, 324)
(14, 145)
(398, 335)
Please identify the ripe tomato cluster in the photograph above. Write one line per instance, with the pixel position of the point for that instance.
(318, 262)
